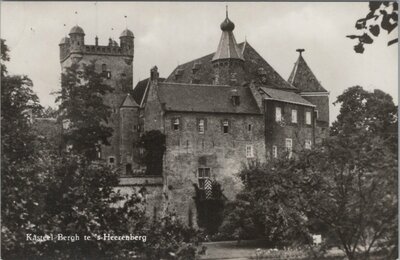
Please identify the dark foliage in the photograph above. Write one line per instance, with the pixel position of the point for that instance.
(153, 143)
(82, 105)
(210, 209)
(383, 16)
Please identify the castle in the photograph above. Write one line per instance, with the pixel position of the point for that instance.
(218, 113)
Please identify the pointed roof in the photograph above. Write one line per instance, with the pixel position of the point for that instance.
(129, 102)
(227, 47)
(256, 67)
(303, 78)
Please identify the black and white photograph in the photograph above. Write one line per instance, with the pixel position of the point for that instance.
(199, 130)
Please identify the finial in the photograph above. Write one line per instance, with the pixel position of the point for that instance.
(126, 21)
(300, 51)
(226, 7)
(76, 17)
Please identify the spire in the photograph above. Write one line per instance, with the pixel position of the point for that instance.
(302, 76)
(227, 47)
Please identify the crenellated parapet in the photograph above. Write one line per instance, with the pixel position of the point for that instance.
(75, 44)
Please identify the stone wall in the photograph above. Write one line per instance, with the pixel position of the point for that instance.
(223, 153)
(120, 68)
(276, 133)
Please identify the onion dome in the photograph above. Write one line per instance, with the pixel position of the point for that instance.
(77, 30)
(126, 33)
(227, 25)
(64, 40)
(227, 47)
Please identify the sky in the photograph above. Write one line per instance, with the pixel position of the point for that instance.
(172, 33)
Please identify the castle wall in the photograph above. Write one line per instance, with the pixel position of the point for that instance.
(276, 133)
(223, 153)
(119, 67)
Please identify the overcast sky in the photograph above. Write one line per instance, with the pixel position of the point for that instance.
(168, 34)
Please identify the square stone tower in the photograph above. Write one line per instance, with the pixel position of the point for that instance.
(115, 62)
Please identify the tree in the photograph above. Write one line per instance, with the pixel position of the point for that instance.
(153, 143)
(45, 193)
(382, 16)
(84, 110)
(346, 189)
(367, 113)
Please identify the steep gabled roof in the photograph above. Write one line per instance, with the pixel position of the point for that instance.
(140, 88)
(303, 78)
(256, 69)
(198, 98)
(286, 96)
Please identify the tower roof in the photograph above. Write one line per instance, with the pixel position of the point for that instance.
(64, 40)
(76, 30)
(129, 102)
(303, 78)
(227, 47)
(127, 33)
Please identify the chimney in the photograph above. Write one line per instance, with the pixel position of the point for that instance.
(96, 40)
(154, 74)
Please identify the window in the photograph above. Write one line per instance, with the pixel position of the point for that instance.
(274, 151)
(278, 114)
(108, 74)
(98, 150)
(104, 68)
(249, 151)
(201, 126)
(111, 161)
(225, 126)
(316, 114)
(294, 116)
(203, 175)
(308, 144)
(308, 118)
(249, 127)
(288, 146)
(175, 124)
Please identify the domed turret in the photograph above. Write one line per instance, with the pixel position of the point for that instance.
(77, 36)
(126, 41)
(64, 40)
(76, 30)
(126, 33)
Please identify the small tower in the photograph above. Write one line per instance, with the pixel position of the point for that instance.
(228, 59)
(129, 120)
(64, 47)
(127, 41)
(77, 38)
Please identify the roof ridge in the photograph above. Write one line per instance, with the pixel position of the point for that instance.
(191, 84)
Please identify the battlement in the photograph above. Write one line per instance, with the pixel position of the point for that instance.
(75, 44)
(66, 50)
